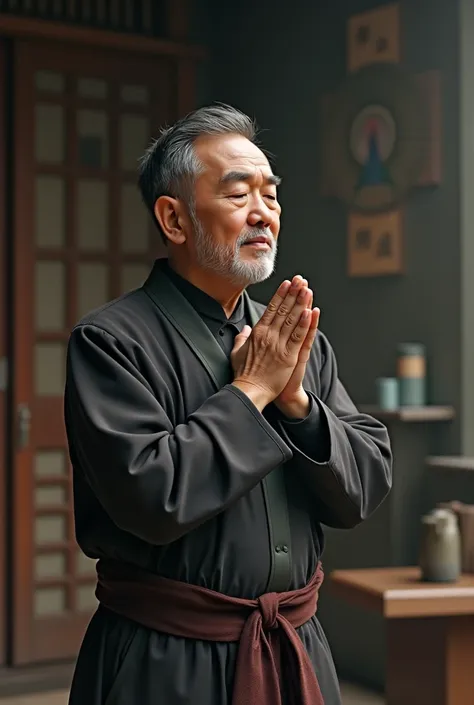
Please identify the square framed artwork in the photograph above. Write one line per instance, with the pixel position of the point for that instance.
(375, 244)
(373, 37)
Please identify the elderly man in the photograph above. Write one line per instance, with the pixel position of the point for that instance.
(210, 439)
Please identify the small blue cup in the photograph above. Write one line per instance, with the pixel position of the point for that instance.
(388, 397)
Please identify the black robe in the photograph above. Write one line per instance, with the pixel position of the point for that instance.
(177, 472)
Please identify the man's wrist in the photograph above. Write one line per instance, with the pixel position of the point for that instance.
(297, 407)
(258, 396)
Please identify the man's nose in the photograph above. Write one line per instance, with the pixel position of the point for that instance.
(260, 217)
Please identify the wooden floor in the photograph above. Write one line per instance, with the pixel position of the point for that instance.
(352, 695)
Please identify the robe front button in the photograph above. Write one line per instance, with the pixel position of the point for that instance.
(279, 549)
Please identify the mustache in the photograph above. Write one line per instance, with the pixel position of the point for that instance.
(253, 233)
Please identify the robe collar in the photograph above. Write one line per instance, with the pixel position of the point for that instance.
(202, 302)
(184, 317)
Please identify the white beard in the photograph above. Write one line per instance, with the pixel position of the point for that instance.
(227, 261)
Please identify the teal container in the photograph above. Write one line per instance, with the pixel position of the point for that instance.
(387, 393)
(411, 373)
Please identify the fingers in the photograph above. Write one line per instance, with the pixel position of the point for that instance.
(282, 302)
(299, 332)
(283, 313)
(291, 321)
(275, 303)
(286, 306)
(305, 350)
(241, 338)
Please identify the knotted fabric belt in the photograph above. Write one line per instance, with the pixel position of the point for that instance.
(270, 650)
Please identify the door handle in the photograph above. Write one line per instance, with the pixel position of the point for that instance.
(3, 374)
(24, 425)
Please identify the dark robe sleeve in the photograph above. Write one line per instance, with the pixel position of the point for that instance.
(311, 434)
(155, 481)
(343, 456)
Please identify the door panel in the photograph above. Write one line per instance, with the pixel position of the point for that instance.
(83, 120)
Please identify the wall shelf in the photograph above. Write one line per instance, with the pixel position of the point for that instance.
(411, 414)
(463, 463)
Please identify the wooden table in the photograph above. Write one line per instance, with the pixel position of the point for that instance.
(430, 632)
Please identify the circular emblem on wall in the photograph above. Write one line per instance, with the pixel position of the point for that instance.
(375, 139)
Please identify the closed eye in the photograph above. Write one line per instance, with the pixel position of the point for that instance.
(237, 195)
(270, 196)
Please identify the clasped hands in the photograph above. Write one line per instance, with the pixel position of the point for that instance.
(269, 361)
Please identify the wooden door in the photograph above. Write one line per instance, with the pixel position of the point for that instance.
(82, 237)
(3, 353)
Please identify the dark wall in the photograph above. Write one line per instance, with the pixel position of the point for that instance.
(275, 61)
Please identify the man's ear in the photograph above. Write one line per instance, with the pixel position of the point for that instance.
(169, 213)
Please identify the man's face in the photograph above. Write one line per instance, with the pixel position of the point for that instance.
(237, 215)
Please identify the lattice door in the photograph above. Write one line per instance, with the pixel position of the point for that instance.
(82, 237)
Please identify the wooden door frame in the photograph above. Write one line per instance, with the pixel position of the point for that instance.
(4, 311)
(177, 21)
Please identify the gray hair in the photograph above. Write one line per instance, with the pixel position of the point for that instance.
(170, 166)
